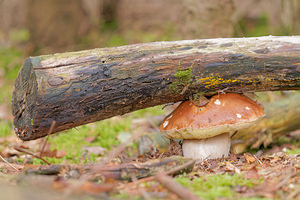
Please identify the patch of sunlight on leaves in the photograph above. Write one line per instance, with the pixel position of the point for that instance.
(214, 186)
(72, 141)
(5, 128)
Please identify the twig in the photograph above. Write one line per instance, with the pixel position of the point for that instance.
(288, 177)
(46, 139)
(257, 159)
(293, 194)
(6, 162)
(109, 156)
(170, 172)
(32, 154)
(175, 187)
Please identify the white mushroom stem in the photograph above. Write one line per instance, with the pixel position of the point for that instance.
(214, 147)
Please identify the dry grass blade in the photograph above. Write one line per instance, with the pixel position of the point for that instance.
(32, 154)
(175, 187)
(5, 161)
(170, 172)
(46, 139)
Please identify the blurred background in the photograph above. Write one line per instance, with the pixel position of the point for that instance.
(35, 27)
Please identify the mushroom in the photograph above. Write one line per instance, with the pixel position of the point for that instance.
(207, 129)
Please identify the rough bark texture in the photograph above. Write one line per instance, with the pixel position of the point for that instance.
(82, 87)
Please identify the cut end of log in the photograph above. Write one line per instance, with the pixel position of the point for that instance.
(23, 101)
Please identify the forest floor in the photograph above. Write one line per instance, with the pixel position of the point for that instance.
(111, 160)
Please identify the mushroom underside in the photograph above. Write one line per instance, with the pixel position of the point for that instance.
(204, 133)
(210, 148)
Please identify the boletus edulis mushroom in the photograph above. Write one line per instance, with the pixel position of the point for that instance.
(206, 130)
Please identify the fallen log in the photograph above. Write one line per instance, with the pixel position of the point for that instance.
(82, 87)
(282, 117)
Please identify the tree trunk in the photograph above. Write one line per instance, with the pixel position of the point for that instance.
(82, 87)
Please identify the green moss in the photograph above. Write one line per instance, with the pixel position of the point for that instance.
(73, 141)
(293, 151)
(215, 186)
(196, 97)
(183, 78)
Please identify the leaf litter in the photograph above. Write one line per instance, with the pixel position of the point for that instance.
(115, 173)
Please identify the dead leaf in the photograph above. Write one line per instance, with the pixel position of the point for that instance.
(95, 150)
(231, 167)
(252, 174)
(249, 158)
(60, 153)
(93, 188)
(90, 139)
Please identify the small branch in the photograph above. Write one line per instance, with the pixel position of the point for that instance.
(6, 162)
(175, 187)
(170, 172)
(46, 139)
(32, 154)
(109, 156)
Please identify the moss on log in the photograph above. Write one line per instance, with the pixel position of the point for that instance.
(76, 88)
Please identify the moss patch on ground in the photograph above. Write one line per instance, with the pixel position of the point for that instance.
(215, 186)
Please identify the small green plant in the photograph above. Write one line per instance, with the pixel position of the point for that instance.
(183, 78)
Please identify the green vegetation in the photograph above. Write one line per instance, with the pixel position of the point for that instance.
(73, 141)
(293, 151)
(105, 135)
(5, 128)
(183, 78)
(215, 186)
(10, 61)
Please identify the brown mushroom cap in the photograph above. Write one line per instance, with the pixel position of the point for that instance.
(224, 113)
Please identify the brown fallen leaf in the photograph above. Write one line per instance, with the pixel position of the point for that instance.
(95, 150)
(252, 174)
(94, 188)
(60, 153)
(86, 187)
(233, 168)
(90, 139)
(249, 158)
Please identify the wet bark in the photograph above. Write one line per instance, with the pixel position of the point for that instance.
(82, 87)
